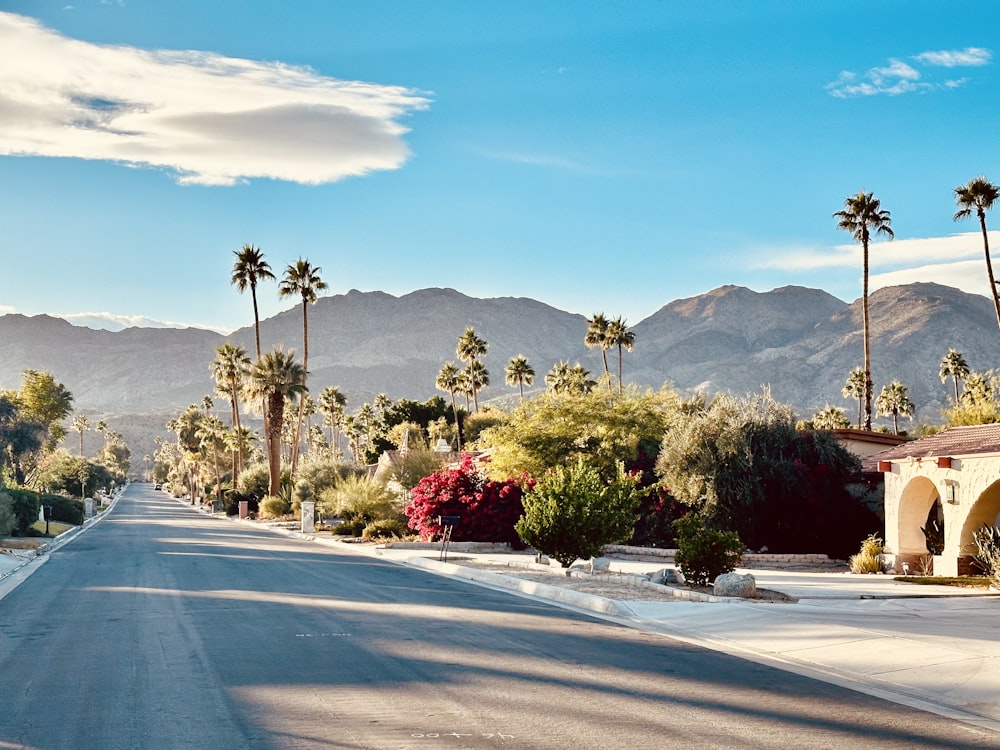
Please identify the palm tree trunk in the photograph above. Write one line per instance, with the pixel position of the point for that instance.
(619, 369)
(302, 400)
(273, 432)
(989, 267)
(864, 315)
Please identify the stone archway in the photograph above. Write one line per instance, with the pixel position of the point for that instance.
(984, 512)
(915, 503)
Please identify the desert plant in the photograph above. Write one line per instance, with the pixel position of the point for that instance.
(572, 512)
(987, 558)
(385, 528)
(703, 552)
(867, 559)
(934, 537)
(358, 497)
(274, 507)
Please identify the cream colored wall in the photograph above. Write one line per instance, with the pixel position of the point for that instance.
(911, 488)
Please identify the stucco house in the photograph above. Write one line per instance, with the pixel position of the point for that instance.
(952, 479)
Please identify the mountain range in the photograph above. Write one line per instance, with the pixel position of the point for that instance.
(801, 342)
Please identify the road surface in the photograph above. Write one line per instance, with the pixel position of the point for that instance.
(162, 628)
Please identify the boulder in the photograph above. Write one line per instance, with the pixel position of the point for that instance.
(598, 565)
(735, 584)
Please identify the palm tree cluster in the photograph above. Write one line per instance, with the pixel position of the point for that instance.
(864, 216)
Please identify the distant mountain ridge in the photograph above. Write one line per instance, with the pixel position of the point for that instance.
(801, 342)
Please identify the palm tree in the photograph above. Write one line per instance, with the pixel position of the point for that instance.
(894, 401)
(249, 269)
(80, 424)
(980, 194)
(211, 434)
(519, 372)
(597, 335)
(470, 349)
(862, 214)
(619, 335)
(855, 388)
(301, 278)
(331, 406)
(954, 366)
(276, 378)
(230, 369)
(565, 379)
(477, 377)
(448, 380)
(830, 418)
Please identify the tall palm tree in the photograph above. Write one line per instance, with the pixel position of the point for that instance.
(863, 214)
(230, 369)
(894, 401)
(301, 278)
(211, 434)
(597, 335)
(855, 388)
(331, 406)
(979, 195)
(954, 366)
(448, 380)
(80, 424)
(276, 378)
(620, 336)
(519, 372)
(470, 349)
(249, 269)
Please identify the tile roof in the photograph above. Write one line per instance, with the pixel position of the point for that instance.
(957, 441)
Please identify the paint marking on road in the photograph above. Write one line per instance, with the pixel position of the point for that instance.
(322, 635)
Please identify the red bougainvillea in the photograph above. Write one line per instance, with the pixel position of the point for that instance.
(487, 511)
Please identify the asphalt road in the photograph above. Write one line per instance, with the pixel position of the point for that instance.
(162, 628)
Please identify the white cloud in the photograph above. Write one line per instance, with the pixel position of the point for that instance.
(211, 119)
(971, 56)
(967, 275)
(892, 256)
(899, 77)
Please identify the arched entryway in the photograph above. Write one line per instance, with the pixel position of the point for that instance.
(984, 512)
(918, 498)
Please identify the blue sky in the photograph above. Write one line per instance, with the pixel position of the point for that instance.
(598, 156)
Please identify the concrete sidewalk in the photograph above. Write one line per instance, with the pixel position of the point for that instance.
(936, 648)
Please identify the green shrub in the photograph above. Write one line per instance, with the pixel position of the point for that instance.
(353, 527)
(274, 507)
(64, 509)
(7, 518)
(867, 560)
(704, 553)
(385, 528)
(25, 505)
(362, 498)
(571, 512)
(988, 557)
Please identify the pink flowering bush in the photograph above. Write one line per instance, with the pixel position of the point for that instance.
(487, 510)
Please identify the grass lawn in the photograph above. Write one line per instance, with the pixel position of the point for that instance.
(969, 582)
(55, 527)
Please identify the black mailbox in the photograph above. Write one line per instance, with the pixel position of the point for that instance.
(447, 520)
(48, 512)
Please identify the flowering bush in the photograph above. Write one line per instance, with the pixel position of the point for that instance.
(487, 510)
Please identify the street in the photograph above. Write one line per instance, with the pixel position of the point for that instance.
(160, 627)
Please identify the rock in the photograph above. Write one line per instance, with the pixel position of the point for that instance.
(667, 577)
(542, 559)
(735, 584)
(598, 564)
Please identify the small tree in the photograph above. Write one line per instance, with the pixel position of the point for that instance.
(571, 512)
(705, 553)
